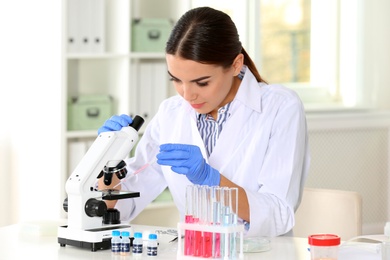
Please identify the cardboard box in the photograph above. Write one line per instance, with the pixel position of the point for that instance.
(88, 112)
(150, 34)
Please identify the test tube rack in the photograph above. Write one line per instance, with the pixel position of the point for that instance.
(231, 229)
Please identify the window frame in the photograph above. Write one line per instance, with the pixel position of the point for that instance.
(337, 34)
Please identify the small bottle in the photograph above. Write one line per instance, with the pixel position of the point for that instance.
(137, 243)
(115, 242)
(125, 243)
(386, 243)
(152, 245)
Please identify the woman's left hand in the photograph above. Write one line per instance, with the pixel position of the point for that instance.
(188, 160)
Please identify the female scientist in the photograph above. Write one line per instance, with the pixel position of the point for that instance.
(226, 127)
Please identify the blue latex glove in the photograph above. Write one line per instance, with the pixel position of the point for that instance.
(188, 160)
(115, 123)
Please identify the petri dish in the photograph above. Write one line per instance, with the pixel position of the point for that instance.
(256, 244)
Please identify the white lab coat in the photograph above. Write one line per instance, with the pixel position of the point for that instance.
(263, 148)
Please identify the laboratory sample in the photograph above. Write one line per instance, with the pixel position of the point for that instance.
(115, 242)
(197, 237)
(226, 221)
(189, 218)
(324, 246)
(152, 245)
(137, 243)
(233, 204)
(206, 219)
(216, 199)
(125, 243)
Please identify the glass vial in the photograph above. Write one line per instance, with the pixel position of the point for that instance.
(115, 242)
(152, 245)
(137, 243)
(125, 243)
(216, 219)
(189, 218)
(206, 219)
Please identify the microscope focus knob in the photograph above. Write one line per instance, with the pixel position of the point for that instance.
(112, 216)
(95, 208)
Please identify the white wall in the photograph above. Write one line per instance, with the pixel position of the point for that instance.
(376, 42)
(30, 80)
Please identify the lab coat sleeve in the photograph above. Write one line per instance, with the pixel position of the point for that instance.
(150, 182)
(282, 175)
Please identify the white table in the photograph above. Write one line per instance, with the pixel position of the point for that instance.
(15, 243)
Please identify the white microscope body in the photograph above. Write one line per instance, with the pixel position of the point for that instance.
(85, 204)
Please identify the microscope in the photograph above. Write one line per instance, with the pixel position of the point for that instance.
(90, 222)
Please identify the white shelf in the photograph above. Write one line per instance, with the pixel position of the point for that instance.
(80, 56)
(131, 55)
(81, 134)
(147, 55)
(134, 80)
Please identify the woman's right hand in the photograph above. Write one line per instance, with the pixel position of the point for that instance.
(115, 123)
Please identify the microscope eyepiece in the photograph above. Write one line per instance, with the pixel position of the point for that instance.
(137, 123)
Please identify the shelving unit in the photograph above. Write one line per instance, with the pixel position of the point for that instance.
(136, 81)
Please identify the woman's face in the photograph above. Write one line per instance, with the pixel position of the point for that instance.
(205, 87)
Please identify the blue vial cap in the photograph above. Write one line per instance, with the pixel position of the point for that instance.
(116, 233)
(125, 233)
(137, 235)
(152, 236)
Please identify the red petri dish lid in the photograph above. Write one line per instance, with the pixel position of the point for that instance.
(324, 240)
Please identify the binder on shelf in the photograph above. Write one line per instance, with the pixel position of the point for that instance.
(159, 84)
(86, 26)
(145, 90)
(153, 87)
(76, 151)
(73, 21)
(97, 26)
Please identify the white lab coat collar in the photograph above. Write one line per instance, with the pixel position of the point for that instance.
(248, 94)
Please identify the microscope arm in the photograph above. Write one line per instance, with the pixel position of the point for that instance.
(109, 147)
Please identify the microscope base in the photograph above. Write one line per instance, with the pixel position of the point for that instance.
(94, 239)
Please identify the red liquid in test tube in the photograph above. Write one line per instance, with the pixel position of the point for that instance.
(189, 218)
(189, 234)
(207, 244)
(206, 215)
(197, 242)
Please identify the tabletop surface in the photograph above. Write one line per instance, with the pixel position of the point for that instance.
(20, 241)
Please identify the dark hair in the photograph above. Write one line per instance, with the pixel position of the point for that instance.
(208, 36)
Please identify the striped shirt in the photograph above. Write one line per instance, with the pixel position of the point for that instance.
(209, 128)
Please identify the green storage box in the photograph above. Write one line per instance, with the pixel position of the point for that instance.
(88, 112)
(150, 34)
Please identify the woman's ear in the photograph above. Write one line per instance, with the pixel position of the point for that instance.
(237, 63)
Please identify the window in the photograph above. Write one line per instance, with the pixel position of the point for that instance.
(307, 45)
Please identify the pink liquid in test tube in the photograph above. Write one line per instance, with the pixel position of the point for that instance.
(206, 220)
(197, 242)
(189, 218)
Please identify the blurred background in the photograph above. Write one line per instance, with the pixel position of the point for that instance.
(333, 53)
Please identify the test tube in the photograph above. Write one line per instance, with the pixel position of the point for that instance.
(197, 239)
(226, 221)
(234, 216)
(216, 211)
(189, 218)
(206, 219)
